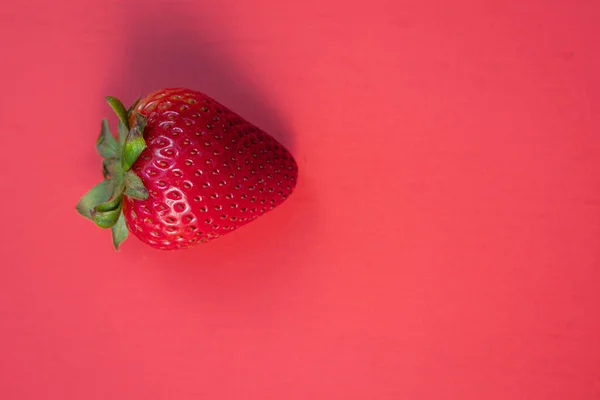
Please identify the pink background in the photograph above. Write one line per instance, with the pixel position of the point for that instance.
(443, 242)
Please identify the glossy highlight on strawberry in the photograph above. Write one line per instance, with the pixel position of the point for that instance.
(194, 171)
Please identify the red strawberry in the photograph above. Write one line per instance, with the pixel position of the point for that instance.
(187, 171)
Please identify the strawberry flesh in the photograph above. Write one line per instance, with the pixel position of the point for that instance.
(207, 171)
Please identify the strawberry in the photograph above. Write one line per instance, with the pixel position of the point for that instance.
(185, 170)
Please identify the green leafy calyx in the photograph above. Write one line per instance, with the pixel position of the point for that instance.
(103, 204)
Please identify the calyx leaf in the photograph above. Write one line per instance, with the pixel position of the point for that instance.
(110, 205)
(119, 109)
(103, 204)
(106, 219)
(133, 106)
(135, 143)
(134, 187)
(106, 144)
(106, 165)
(141, 121)
(119, 232)
(94, 197)
(123, 132)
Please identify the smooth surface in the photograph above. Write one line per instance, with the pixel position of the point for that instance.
(443, 242)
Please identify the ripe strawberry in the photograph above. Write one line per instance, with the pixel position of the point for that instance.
(187, 171)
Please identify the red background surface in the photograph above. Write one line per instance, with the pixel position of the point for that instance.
(443, 242)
